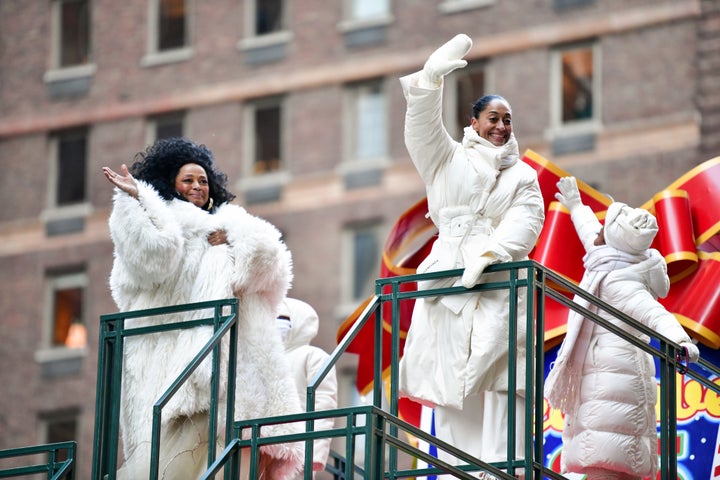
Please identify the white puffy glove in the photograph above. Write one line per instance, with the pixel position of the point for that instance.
(693, 354)
(444, 60)
(473, 270)
(569, 195)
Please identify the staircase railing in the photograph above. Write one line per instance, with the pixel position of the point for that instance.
(59, 464)
(375, 428)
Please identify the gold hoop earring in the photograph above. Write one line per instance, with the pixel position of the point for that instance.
(210, 204)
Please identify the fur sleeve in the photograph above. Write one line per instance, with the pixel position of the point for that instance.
(146, 236)
(261, 261)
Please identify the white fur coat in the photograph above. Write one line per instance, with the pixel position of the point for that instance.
(162, 258)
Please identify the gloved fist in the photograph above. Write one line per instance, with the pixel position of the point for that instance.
(568, 194)
(693, 354)
(473, 270)
(444, 60)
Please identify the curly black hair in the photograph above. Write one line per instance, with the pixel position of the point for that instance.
(160, 163)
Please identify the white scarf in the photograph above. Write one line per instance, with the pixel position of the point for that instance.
(562, 386)
(501, 157)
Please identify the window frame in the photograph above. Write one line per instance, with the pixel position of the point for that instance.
(250, 179)
(53, 211)
(154, 55)
(58, 72)
(347, 259)
(352, 94)
(153, 123)
(54, 281)
(590, 125)
(451, 98)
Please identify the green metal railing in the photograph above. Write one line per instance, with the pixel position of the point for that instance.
(385, 432)
(374, 429)
(113, 333)
(60, 463)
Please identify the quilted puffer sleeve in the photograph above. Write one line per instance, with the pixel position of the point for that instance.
(426, 139)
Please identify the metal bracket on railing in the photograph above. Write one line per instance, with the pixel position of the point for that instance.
(683, 359)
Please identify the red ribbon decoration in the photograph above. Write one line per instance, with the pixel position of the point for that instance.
(688, 214)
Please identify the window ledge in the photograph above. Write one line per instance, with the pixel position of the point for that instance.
(354, 166)
(70, 73)
(581, 127)
(55, 354)
(163, 58)
(268, 40)
(65, 212)
(264, 180)
(355, 24)
(454, 6)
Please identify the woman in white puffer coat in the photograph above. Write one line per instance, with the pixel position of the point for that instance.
(488, 208)
(178, 240)
(603, 384)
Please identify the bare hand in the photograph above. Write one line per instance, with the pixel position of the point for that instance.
(124, 181)
(218, 237)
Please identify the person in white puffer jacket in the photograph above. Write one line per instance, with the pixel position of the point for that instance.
(488, 208)
(298, 324)
(603, 384)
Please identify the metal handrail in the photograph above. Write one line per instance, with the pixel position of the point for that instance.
(112, 336)
(380, 428)
(55, 469)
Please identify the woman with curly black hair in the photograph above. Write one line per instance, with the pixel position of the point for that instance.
(178, 240)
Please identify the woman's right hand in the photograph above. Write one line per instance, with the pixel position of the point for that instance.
(124, 181)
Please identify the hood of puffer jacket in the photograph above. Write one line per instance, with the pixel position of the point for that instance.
(304, 322)
(651, 272)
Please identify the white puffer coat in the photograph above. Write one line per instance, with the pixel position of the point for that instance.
(306, 361)
(163, 258)
(610, 422)
(483, 201)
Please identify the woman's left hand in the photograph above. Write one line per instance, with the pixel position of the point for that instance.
(218, 237)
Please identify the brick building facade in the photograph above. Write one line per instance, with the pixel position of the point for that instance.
(300, 103)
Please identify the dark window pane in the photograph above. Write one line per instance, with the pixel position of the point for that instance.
(366, 254)
(470, 87)
(267, 139)
(269, 16)
(577, 79)
(171, 26)
(75, 32)
(71, 169)
(168, 128)
(61, 431)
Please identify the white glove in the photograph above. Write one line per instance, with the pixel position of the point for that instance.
(475, 268)
(444, 60)
(692, 351)
(569, 195)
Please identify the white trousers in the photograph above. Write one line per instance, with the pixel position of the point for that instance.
(480, 428)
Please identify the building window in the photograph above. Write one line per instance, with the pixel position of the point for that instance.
(469, 85)
(165, 126)
(269, 16)
(576, 87)
(60, 427)
(172, 28)
(367, 9)
(70, 167)
(361, 260)
(73, 32)
(66, 325)
(264, 120)
(366, 129)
